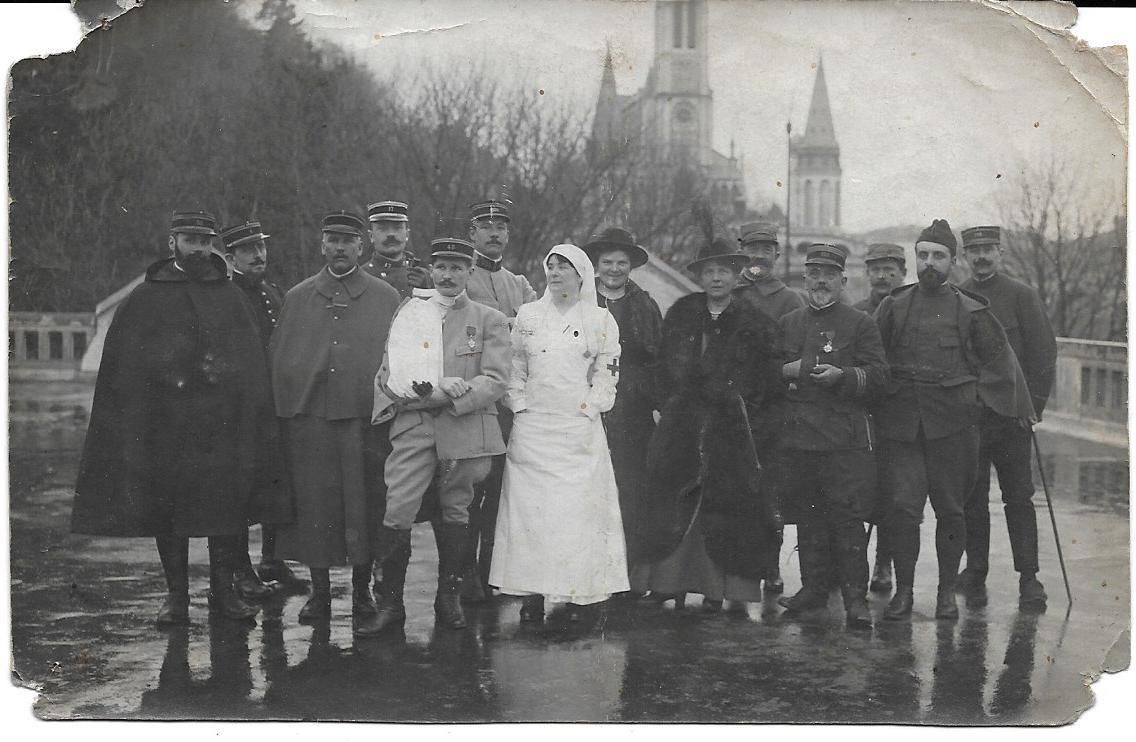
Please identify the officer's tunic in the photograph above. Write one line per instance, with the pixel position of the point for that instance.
(826, 459)
(394, 272)
(325, 353)
(868, 305)
(949, 357)
(462, 435)
(266, 299)
(498, 287)
(1005, 443)
(769, 294)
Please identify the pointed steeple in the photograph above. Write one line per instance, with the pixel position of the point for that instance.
(818, 130)
(607, 82)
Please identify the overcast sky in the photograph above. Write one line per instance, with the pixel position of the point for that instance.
(931, 101)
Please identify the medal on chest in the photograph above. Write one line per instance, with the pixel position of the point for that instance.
(471, 336)
(829, 336)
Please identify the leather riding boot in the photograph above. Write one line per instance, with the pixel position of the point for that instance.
(248, 583)
(390, 585)
(174, 554)
(881, 573)
(904, 541)
(813, 553)
(451, 547)
(472, 590)
(949, 533)
(362, 603)
(318, 606)
(224, 601)
(852, 556)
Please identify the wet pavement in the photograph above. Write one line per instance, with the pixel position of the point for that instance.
(83, 633)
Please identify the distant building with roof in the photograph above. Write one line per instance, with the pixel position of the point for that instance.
(671, 118)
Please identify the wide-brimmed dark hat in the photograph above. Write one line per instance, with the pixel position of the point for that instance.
(615, 238)
(194, 222)
(242, 234)
(722, 251)
(451, 247)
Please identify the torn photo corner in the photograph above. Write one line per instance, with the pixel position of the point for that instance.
(683, 123)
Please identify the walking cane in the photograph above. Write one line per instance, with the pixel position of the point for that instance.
(1052, 519)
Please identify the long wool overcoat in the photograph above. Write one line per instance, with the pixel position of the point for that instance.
(183, 437)
(721, 378)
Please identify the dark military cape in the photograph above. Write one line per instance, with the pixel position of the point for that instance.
(183, 437)
(702, 462)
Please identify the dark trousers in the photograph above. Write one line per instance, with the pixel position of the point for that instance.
(944, 470)
(1006, 445)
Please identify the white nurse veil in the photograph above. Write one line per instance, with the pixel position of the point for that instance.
(592, 316)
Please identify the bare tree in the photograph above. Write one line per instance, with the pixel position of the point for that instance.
(1066, 241)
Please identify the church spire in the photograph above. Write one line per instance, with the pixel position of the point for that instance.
(607, 82)
(818, 129)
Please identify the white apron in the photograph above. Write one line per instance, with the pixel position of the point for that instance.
(559, 531)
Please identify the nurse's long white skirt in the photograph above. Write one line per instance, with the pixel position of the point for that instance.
(559, 531)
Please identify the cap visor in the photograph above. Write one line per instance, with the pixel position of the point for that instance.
(195, 230)
(342, 230)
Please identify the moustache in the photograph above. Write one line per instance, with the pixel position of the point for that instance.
(391, 241)
(983, 262)
(445, 283)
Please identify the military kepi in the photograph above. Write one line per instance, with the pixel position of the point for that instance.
(615, 238)
(826, 253)
(193, 222)
(721, 251)
(451, 247)
(885, 251)
(242, 234)
(343, 222)
(758, 232)
(940, 234)
(387, 211)
(489, 210)
(976, 236)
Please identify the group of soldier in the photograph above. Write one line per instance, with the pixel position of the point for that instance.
(222, 402)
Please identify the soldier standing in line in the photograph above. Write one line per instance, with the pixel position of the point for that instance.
(325, 353)
(835, 361)
(495, 286)
(449, 431)
(761, 288)
(886, 267)
(949, 359)
(182, 441)
(246, 250)
(1005, 444)
(391, 259)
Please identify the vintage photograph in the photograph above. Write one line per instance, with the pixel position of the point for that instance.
(667, 361)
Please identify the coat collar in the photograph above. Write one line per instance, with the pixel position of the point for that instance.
(354, 283)
(164, 271)
(486, 263)
(767, 284)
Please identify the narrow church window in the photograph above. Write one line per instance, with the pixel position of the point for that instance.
(677, 18)
(690, 23)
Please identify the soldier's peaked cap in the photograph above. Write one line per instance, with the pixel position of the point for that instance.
(885, 251)
(387, 211)
(242, 234)
(194, 222)
(976, 236)
(758, 232)
(344, 222)
(826, 253)
(451, 247)
(489, 210)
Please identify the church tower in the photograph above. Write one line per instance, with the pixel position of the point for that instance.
(681, 107)
(816, 166)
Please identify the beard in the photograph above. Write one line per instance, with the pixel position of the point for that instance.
(929, 278)
(198, 266)
(821, 298)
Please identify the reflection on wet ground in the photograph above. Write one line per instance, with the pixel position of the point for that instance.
(83, 633)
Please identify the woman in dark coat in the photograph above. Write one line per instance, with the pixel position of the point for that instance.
(631, 421)
(709, 523)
